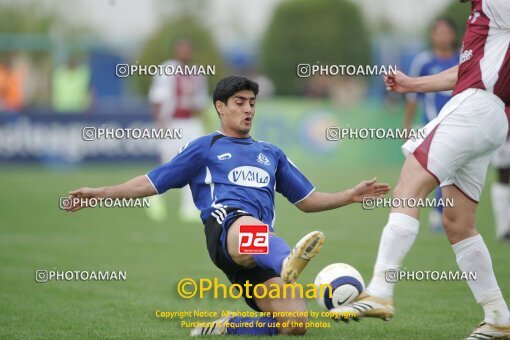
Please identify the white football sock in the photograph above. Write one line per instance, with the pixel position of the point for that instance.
(473, 256)
(397, 238)
(500, 195)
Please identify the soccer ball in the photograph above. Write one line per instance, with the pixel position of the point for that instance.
(345, 281)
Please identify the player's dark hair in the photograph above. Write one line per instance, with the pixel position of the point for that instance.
(229, 86)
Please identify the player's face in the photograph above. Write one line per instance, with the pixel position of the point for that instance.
(183, 52)
(237, 115)
(443, 36)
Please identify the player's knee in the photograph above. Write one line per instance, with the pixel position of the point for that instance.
(456, 228)
(410, 188)
(296, 326)
(449, 223)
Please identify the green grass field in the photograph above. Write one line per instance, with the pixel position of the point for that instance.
(35, 234)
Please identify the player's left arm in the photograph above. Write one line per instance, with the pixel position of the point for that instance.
(292, 184)
(402, 83)
(321, 201)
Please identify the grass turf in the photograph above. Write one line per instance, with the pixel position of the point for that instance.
(35, 234)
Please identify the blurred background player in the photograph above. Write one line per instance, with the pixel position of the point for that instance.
(442, 56)
(71, 86)
(500, 191)
(177, 102)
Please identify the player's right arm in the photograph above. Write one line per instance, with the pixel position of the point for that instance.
(137, 187)
(402, 83)
(175, 174)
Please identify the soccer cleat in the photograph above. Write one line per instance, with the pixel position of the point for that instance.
(303, 251)
(488, 331)
(365, 306)
(217, 327)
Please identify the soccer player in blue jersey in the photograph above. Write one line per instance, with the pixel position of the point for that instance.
(443, 55)
(233, 179)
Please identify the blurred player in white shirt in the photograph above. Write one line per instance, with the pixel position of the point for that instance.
(177, 102)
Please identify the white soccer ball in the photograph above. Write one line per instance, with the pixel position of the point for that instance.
(346, 283)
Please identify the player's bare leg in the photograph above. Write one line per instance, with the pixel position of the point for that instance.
(288, 322)
(473, 256)
(245, 260)
(397, 238)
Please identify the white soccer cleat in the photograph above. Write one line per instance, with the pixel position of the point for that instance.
(217, 327)
(486, 331)
(365, 306)
(300, 256)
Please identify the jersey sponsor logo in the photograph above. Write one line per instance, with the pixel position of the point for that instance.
(465, 56)
(249, 176)
(262, 159)
(254, 239)
(224, 156)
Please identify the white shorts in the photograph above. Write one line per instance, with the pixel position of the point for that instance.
(192, 128)
(460, 142)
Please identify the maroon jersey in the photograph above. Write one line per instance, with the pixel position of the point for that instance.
(485, 57)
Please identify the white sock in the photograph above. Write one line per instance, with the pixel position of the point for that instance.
(500, 195)
(397, 238)
(473, 256)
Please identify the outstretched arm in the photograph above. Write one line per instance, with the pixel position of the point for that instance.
(401, 83)
(320, 201)
(137, 187)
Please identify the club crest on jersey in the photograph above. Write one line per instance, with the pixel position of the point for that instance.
(224, 156)
(249, 176)
(465, 56)
(262, 159)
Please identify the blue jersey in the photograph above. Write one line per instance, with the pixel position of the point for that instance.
(233, 172)
(426, 64)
